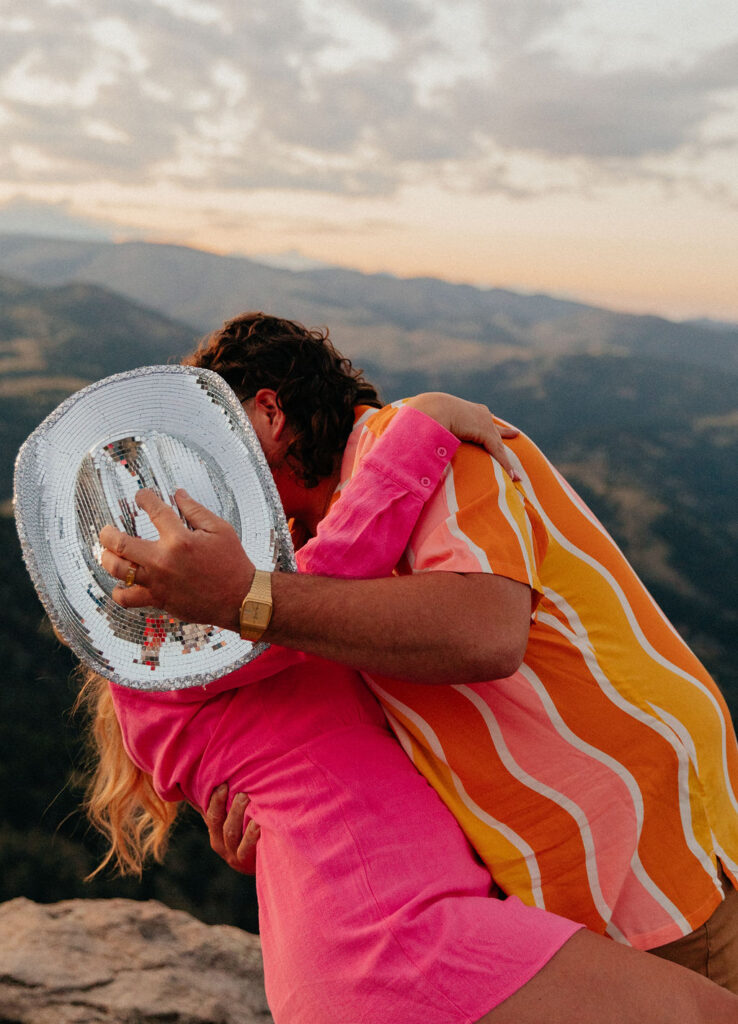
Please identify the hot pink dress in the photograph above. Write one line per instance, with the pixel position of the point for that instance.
(373, 907)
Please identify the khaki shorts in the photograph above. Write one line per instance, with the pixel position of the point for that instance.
(712, 949)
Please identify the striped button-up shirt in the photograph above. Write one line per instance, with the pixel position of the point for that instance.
(599, 781)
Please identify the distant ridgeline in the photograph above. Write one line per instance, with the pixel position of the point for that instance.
(641, 414)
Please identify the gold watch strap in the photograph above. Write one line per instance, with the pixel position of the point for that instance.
(256, 608)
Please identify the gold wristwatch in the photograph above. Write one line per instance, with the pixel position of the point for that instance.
(256, 608)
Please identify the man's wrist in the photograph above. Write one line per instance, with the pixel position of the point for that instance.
(255, 612)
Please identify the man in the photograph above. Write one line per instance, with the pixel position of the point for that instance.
(596, 775)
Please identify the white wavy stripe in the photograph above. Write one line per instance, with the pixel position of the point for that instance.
(679, 729)
(453, 527)
(403, 736)
(617, 769)
(645, 644)
(727, 861)
(577, 636)
(531, 536)
(504, 504)
(526, 852)
(560, 799)
(594, 521)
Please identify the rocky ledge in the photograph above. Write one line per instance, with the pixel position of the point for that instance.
(125, 962)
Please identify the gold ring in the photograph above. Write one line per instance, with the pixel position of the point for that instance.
(130, 576)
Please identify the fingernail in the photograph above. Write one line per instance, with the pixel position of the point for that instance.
(222, 788)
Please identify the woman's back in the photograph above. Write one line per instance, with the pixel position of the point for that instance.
(365, 881)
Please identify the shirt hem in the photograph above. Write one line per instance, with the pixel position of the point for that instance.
(672, 933)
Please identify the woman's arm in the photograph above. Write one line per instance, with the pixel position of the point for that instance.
(367, 529)
(370, 521)
(468, 421)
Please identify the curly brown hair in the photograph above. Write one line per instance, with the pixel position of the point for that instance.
(316, 387)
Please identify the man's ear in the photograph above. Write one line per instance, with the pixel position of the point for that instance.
(266, 408)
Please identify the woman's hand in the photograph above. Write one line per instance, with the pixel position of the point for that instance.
(469, 421)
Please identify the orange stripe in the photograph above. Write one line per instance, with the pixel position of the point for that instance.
(592, 716)
(474, 480)
(532, 816)
(439, 776)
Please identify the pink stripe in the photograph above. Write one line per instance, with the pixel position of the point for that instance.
(442, 547)
(605, 801)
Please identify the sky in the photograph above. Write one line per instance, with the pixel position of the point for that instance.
(582, 148)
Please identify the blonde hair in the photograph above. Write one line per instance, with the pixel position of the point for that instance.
(120, 799)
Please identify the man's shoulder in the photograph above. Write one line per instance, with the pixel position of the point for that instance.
(372, 421)
(369, 425)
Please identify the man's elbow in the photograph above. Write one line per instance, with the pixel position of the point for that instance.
(467, 660)
(495, 661)
(489, 635)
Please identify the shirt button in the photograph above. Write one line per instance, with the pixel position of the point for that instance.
(425, 481)
(441, 452)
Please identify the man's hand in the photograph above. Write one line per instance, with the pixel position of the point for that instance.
(228, 838)
(178, 572)
(469, 421)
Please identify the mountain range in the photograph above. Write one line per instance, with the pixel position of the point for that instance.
(391, 323)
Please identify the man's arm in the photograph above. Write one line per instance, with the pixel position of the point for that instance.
(436, 627)
(439, 627)
(453, 626)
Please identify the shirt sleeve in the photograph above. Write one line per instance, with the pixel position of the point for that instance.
(367, 528)
(478, 521)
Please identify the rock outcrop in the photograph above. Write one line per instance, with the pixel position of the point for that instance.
(125, 962)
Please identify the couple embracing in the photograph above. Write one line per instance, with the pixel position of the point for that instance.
(563, 771)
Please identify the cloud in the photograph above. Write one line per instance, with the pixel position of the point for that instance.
(398, 15)
(512, 24)
(536, 104)
(240, 96)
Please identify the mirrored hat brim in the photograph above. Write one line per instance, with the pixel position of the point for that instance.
(163, 427)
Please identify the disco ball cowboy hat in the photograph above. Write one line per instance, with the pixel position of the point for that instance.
(162, 427)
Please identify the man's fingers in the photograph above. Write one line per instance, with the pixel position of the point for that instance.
(134, 549)
(228, 838)
(216, 811)
(134, 597)
(250, 838)
(215, 815)
(121, 568)
(197, 515)
(233, 829)
(246, 853)
(162, 515)
(135, 594)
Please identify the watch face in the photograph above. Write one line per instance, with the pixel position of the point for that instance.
(256, 613)
(162, 427)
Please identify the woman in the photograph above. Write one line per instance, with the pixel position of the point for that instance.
(373, 906)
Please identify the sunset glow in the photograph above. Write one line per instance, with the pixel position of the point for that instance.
(580, 148)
